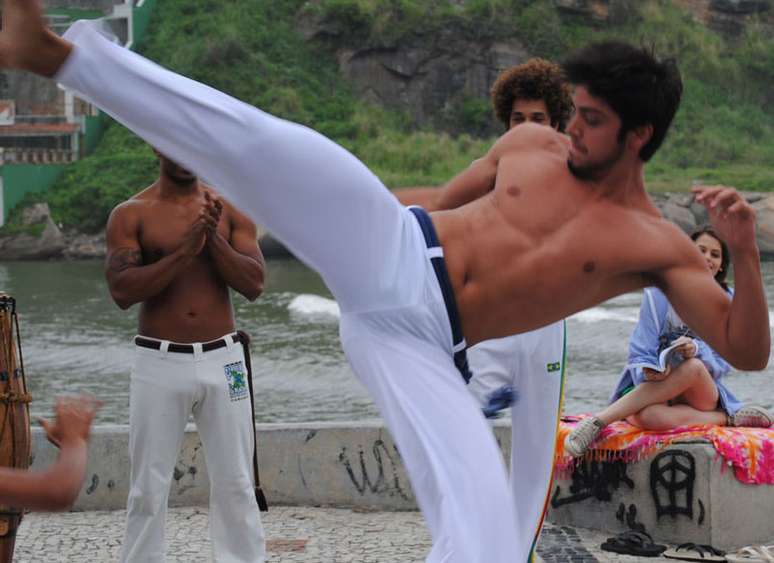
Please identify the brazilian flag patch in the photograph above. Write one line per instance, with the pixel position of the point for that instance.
(554, 367)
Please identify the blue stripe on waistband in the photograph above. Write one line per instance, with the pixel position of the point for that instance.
(439, 265)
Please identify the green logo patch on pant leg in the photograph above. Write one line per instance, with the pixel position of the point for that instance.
(554, 367)
(236, 377)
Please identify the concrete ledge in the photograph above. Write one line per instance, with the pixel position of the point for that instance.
(685, 493)
(316, 464)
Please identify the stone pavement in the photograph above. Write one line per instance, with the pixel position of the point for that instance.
(294, 534)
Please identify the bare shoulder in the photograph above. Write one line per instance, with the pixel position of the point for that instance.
(531, 137)
(127, 216)
(126, 212)
(669, 243)
(135, 205)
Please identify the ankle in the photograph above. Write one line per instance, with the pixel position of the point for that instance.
(49, 57)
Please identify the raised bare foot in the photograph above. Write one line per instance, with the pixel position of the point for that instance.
(26, 43)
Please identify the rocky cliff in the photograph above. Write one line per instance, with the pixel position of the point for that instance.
(433, 73)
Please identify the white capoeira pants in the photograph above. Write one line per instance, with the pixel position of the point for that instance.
(165, 388)
(336, 216)
(532, 363)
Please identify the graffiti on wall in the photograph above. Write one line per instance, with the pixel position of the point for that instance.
(376, 472)
(593, 479)
(672, 479)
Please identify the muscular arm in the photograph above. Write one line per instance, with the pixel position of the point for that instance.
(129, 280)
(738, 329)
(475, 181)
(239, 262)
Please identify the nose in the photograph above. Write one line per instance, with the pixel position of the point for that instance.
(572, 127)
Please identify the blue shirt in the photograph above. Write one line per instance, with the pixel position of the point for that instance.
(657, 327)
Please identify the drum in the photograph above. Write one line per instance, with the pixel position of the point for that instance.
(14, 416)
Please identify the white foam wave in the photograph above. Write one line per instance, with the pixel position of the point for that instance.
(314, 306)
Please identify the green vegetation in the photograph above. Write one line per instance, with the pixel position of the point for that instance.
(253, 50)
(16, 228)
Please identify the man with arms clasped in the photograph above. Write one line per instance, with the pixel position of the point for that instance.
(176, 248)
(567, 226)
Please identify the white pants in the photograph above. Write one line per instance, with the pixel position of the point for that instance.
(532, 363)
(165, 388)
(337, 217)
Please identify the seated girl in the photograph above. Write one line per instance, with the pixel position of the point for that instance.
(690, 392)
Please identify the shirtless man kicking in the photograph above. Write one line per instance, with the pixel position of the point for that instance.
(531, 365)
(567, 226)
(176, 248)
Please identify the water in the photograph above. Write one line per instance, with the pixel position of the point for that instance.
(75, 339)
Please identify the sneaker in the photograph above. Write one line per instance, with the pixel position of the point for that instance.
(751, 416)
(578, 441)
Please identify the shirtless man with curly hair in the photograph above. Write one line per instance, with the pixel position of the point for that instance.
(532, 92)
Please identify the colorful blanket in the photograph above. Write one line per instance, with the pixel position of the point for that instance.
(749, 451)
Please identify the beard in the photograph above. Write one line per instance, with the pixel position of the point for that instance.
(179, 175)
(596, 170)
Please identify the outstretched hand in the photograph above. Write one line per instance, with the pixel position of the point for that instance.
(73, 419)
(26, 43)
(731, 216)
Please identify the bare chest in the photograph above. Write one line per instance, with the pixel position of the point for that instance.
(164, 228)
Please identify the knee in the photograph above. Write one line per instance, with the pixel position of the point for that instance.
(693, 368)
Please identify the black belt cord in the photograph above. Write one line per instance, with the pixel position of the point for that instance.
(259, 496)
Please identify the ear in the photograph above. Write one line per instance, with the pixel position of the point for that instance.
(639, 137)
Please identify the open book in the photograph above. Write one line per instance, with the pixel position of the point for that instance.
(669, 356)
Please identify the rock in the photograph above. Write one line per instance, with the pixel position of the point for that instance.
(49, 244)
(699, 213)
(575, 7)
(428, 79)
(35, 214)
(595, 11)
(730, 17)
(85, 247)
(741, 7)
(679, 215)
(765, 215)
(429, 75)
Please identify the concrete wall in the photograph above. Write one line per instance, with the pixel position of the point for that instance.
(319, 464)
(684, 493)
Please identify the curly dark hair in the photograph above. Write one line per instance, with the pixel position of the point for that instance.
(536, 79)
